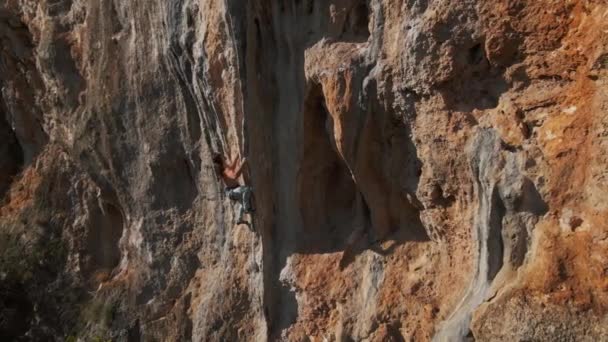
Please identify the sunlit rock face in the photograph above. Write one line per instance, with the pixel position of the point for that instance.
(422, 170)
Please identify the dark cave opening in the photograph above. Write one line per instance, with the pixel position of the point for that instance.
(326, 190)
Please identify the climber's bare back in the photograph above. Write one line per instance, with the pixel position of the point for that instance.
(231, 170)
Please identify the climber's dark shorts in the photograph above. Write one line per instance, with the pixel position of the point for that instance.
(241, 194)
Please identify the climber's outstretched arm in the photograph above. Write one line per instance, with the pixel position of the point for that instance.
(239, 170)
(229, 162)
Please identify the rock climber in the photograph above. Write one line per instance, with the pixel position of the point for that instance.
(230, 170)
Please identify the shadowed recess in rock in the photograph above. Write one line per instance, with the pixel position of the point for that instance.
(19, 76)
(475, 83)
(11, 155)
(336, 211)
(104, 234)
(326, 188)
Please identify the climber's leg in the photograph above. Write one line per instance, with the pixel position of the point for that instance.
(241, 213)
(242, 195)
(247, 192)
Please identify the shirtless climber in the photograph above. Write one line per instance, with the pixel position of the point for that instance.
(230, 170)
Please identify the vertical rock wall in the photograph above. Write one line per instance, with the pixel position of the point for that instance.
(422, 170)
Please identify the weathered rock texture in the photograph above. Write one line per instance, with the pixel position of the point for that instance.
(422, 170)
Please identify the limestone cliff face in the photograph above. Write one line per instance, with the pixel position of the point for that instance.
(422, 170)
